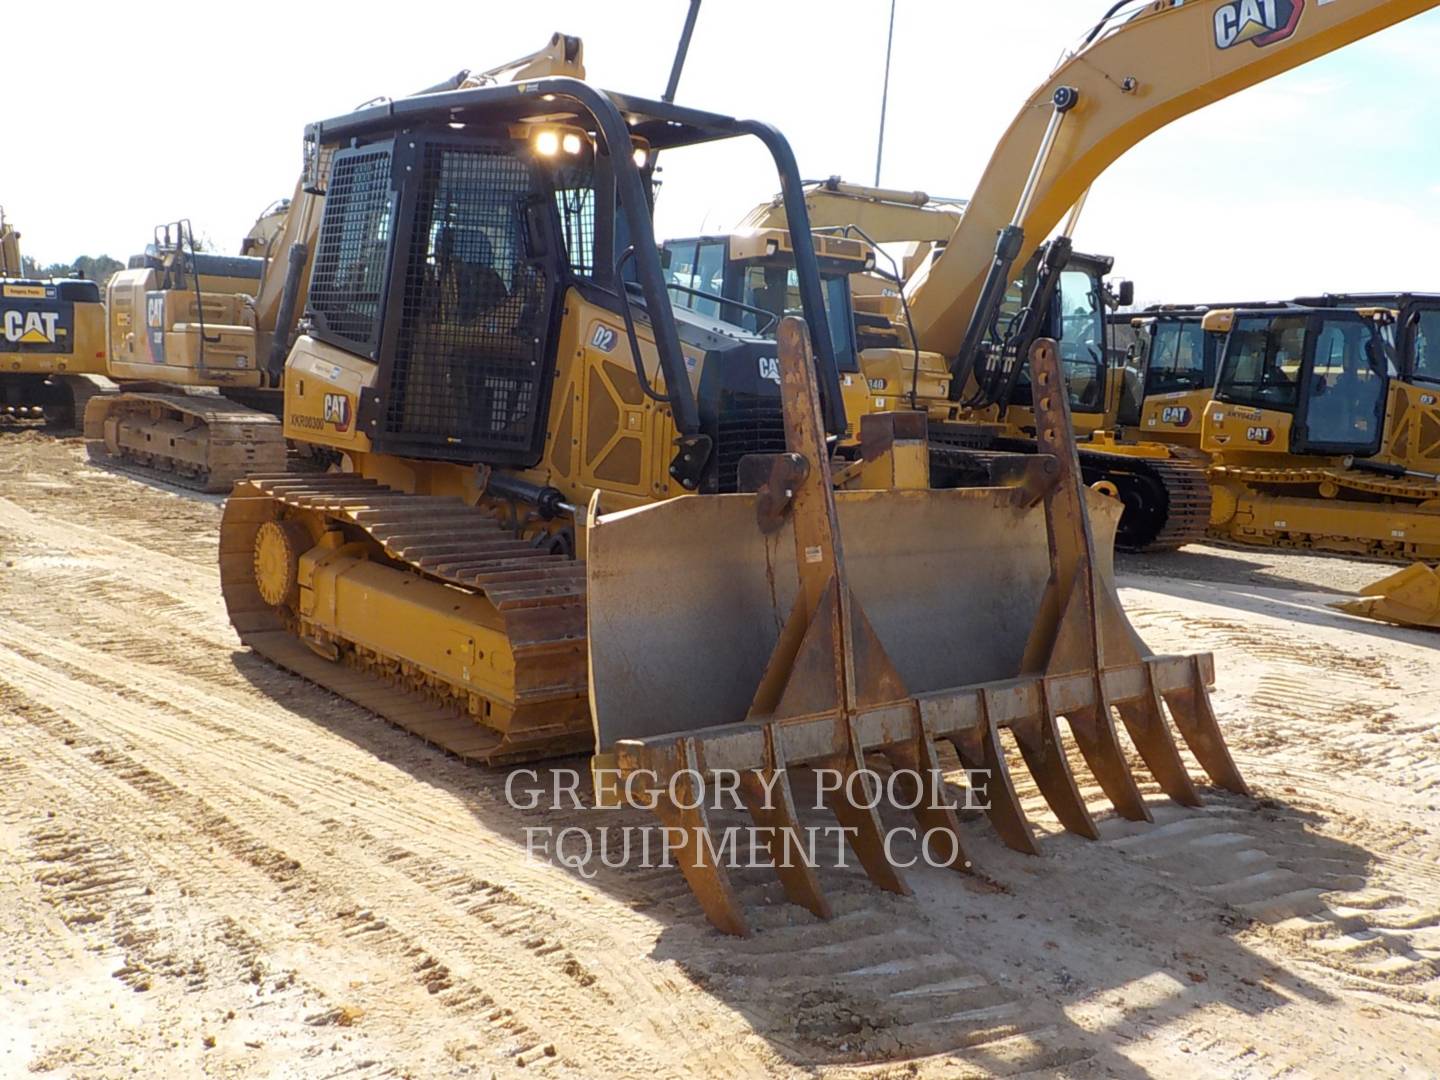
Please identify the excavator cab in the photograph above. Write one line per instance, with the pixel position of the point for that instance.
(1300, 381)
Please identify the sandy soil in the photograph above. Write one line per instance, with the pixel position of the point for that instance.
(208, 867)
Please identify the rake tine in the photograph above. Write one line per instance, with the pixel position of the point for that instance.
(1145, 721)
(863, 828)
(1094, 731)
(932, 813)
(1039, 739)
(771, 803)
(1196, 720)
(980, 751)
(706, 877)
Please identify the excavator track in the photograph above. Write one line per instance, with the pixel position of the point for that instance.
(1167, 503)
(538, 598)
(204, 442)
(60, 406)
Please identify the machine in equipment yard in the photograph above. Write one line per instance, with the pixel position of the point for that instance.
(575, 516)
(197, 342)
(1324, 427)
(52, 337)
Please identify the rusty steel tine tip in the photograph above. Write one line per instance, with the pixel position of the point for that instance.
(771, 801)
(980, 751)
(696, 856)
(1193, 715)
(1144, 719)
(1044, 754)
(1094, 731)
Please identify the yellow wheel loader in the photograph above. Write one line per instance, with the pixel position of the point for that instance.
(1324, 428)
(52, 339)
(574, 515)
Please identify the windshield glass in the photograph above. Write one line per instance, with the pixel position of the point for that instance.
(1262, 362)
(1082, 339)
(776, 289)
(1346, 391)
(699, 269)
(1426, 366)
(1182, 358)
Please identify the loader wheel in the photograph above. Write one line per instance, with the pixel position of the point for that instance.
(278, 545)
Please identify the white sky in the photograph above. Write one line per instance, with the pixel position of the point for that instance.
(1323, 178)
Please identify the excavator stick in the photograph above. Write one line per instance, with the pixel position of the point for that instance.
(745, 637)
(1410, 597)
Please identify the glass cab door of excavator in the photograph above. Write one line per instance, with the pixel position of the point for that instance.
(1327, 369)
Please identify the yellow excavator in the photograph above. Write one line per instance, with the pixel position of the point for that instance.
(1105, 95)
(198, 342)
(574, 515)
(52, 338)
(1063, 297)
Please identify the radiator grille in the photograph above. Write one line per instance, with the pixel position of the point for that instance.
(748, 424)
(468, 360)
(348, 281)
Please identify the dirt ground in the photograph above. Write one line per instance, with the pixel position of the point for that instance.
(209, 867)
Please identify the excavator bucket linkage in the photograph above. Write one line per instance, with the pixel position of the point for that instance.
(859, 628)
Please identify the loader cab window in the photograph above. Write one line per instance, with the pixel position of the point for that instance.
(1081, 322)
(1345, 390)
(1182, 358)
(1263, 361)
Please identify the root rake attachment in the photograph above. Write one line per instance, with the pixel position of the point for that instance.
(914, 618)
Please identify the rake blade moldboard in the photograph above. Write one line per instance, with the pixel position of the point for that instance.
(952, 583)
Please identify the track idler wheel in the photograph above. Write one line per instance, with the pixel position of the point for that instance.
(278, 547)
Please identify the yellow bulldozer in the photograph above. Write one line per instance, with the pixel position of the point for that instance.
(52, 338)
(1323, 434)
(574, 515)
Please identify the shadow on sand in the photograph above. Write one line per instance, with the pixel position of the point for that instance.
(989, 967)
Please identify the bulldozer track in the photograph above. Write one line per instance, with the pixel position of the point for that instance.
(1411, 489)
(237, 440)
(539, 595)
(1183, 519)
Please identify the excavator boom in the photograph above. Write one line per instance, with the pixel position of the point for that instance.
(1140, 69)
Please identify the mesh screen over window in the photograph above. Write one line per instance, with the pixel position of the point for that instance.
(468, 359)
(348, 279)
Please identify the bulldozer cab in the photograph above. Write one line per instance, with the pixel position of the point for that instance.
(1327, 371)
(455, 223)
